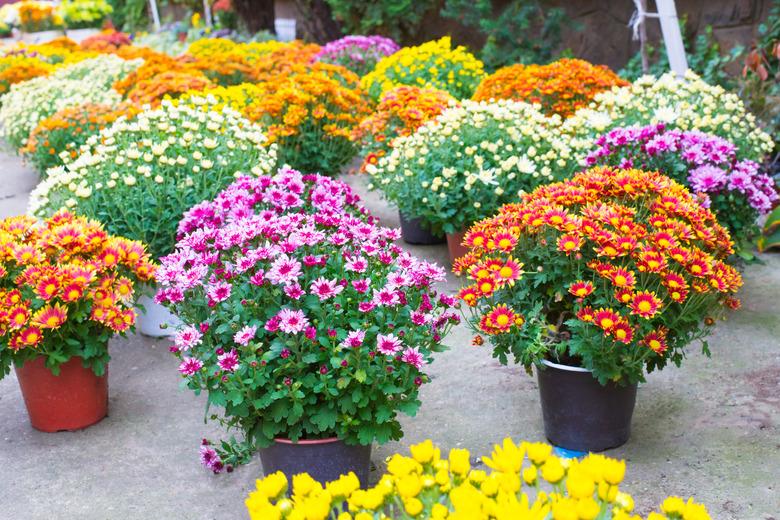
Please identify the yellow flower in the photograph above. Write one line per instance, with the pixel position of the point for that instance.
(459, 461)
(422, 452)
(506, 458)
(538, 452)
(552, 470)
(409, 485)
(413, 506)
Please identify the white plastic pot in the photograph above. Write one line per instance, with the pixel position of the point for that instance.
(285, 29)
(79, 35)
(151, 322)
(41, 36)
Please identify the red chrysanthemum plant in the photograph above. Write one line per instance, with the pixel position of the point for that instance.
(614, 270)
(66, 287)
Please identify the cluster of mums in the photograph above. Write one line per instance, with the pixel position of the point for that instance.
(593, 221)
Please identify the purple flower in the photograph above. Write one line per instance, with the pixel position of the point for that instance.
(210, 459)
(218, 292)
(324, 288)
(707, 178)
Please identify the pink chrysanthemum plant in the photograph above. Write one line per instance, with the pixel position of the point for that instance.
(303, 319)
(613, 270)
(66, 287)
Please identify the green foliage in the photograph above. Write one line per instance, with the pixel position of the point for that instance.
(129, 15)
(703, 54)
(394, 18)
(771, 236)
(760, 83)
(523, 32)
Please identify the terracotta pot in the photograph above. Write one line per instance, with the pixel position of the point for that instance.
(581, 414)
(455, 247)
(73, 400)
(324, 459)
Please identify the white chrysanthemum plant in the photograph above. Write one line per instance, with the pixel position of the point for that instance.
(687, 103)
(471, 160)
(28, 103)
(140, 175)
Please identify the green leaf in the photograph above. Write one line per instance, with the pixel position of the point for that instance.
(324, 419)
(360, 376)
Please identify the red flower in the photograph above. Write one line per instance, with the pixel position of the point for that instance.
(645, 304)
(581, 289)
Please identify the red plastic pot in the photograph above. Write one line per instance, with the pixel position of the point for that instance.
(324, 459)
(455, 246)
(73, 400)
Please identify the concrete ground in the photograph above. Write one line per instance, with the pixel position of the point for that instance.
(709, 429)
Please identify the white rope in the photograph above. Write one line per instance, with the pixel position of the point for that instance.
(638, 18)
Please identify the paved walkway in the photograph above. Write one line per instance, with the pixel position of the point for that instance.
(709, 429)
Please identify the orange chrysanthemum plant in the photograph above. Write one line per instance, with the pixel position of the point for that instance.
(400, 112)
(171, 84)
(16, 68)
(614, 270)
(312, 116)
(561, 87)
(57, 139)
(66, 287)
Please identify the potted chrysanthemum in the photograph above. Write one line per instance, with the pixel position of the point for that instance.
(303, 321)
(737, 191)
(139, 175)
(462, 166)
(596, 281)
(66, 288)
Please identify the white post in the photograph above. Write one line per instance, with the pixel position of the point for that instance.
(670, 28)
(207, 13)
(155, 15)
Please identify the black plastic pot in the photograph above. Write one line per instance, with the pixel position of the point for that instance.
(413, 232)
(324, 459)
(579, 413)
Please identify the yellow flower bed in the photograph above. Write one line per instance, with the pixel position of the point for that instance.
(524, 481)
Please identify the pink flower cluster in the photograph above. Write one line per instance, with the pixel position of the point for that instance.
(357, 53)
(710, 162)
(284, 276)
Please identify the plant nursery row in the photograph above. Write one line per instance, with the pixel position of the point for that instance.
(598, 228)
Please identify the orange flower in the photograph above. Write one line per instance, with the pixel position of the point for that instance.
(562, 87)
(468, 295)
(656, 341)
(50, 317)
(606, 319)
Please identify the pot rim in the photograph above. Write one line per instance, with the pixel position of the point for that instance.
(327, 440)
(568, 368)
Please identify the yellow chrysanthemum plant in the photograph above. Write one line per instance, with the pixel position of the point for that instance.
(435, 64)
(139, 175)
(522, 481)
(66, 287)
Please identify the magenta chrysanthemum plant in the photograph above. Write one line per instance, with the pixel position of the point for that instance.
(303, 319)
(736, 191)
(359, 54)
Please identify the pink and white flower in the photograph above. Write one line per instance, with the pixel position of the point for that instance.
(325, 288)
(388, 344)
(190, 366)
(245, 335)
(228, 361)
(187, 338)
(354, 339)
(413, 357)
(284, 270)
(292, 321)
